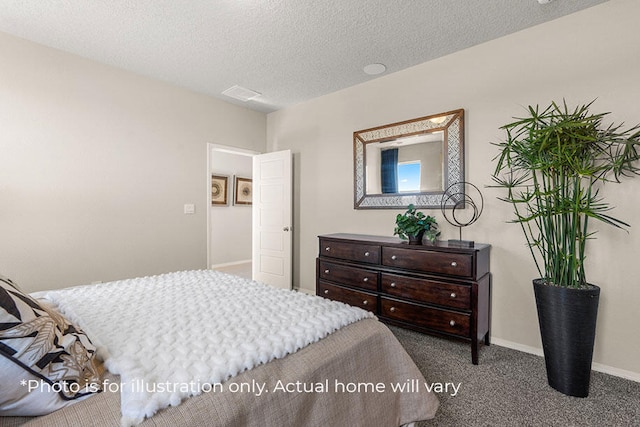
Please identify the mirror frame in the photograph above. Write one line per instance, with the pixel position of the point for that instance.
(453, 161)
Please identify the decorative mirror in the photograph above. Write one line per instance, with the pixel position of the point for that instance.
(410, 162)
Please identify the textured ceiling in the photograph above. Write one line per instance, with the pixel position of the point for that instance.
(288, 50)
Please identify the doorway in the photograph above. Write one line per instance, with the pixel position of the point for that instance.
(250, 235)
(228, 221)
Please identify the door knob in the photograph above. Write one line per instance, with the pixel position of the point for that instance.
(285, 229)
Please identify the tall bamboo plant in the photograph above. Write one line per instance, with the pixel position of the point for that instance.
(552, 165)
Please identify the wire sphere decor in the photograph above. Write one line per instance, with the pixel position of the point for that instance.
(454, 203)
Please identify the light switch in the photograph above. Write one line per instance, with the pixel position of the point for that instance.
(189, 208)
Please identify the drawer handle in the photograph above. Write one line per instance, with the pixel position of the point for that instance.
(366, 254)
(365, 302)
(393, 257)
(366, 279)
(326, 271)
(452, 323)
(454, 264)
(393, 284)
(326, 291)
(327, 249)
(453, 294)
(392, 309)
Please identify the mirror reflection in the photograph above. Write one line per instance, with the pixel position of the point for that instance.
(410, 162)
(405, 165)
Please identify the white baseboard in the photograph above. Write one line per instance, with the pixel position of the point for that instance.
(229, 264)
(616, 372)
(629, 375)
(516, 346)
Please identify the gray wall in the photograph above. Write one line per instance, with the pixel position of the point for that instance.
(96, 165)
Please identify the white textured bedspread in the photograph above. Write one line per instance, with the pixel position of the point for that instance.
(170, 336)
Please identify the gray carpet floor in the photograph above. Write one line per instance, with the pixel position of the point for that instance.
(509, 388)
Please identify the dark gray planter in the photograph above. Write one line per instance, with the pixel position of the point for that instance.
(567, 319)
(417, 239)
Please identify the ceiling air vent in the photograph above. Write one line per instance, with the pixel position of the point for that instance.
(241, 93)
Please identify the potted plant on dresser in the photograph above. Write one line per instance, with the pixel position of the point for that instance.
(552, 165)
(414, 226)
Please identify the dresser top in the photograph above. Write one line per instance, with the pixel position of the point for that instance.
(395, 241)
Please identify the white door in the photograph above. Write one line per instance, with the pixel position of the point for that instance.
(272, 219)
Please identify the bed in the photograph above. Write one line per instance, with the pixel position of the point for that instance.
(344, 377)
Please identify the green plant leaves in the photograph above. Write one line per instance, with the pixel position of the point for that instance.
(412, 222)
(551, 165)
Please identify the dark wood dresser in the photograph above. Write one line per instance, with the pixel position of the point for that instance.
(433, 288)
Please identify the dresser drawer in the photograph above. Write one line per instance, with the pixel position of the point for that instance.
(452, 264)
(352, 297)
(347, 275)
(432, 318)
(435, 288)
(429, 291)
(369, 254)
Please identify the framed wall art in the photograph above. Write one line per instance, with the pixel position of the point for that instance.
(219, 194)
(244, 191)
